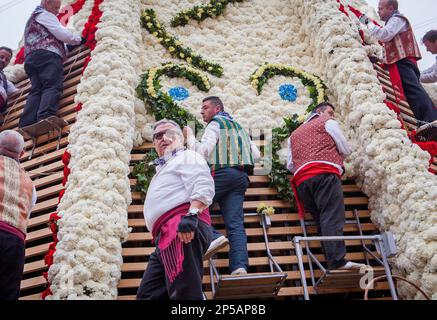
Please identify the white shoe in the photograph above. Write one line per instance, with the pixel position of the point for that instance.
(353, 266)
(215, 246)
(239, 272)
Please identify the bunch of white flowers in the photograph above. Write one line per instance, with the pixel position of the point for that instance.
(94, 220)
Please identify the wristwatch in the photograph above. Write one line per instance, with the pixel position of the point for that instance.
(193, 212)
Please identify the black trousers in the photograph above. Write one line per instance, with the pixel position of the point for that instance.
(418, 99)
(11, 265)
(322, 196)
(188, 284)
(45, 70)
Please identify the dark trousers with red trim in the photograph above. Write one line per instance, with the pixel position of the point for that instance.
(418, 99)
(322, 196)
(11, 265)
(45, 70)
(188, 284)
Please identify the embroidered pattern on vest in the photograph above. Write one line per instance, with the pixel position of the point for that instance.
(16, 190)
(233, 147)
(310, 142)
(37, 37)
(402, 46)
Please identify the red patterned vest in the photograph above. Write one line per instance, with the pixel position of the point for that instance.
(37, 37)
(310, 142)
(402, 46)
(16, 190)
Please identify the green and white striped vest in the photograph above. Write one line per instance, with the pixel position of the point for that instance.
(233, 147)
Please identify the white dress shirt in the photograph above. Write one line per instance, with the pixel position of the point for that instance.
(393, 27)
(333, 129)
(10, 89)
(429, 75)
(209, 141)
(182, 179)
(51, 22)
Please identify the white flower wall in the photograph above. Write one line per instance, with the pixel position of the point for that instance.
(317, 37)
(94, 220)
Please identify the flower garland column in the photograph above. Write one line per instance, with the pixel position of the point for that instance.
(93, 224)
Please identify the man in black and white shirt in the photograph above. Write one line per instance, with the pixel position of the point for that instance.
(6, 87)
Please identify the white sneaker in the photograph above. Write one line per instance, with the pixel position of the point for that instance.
(215, 246)
(239, 272)
(353, 266)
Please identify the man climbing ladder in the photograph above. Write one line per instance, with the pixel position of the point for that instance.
(44, 39)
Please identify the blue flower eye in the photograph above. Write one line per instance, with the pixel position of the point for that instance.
(178, 93)
(288, 92)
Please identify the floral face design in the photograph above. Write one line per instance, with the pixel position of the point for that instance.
(240, 41)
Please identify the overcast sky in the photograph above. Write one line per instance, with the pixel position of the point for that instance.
(422, 14)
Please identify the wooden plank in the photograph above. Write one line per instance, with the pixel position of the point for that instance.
(45, 205)
(34, 266)
(33, 283)
(39, 234)
(37, 250)
(53, 178)
(43, 159)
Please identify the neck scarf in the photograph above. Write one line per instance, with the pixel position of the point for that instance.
(225, 115)
(166, 157)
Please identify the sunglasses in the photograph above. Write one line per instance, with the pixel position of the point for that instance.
(169, 134)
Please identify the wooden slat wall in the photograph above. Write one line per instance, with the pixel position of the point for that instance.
(46, 170)
(285, 225)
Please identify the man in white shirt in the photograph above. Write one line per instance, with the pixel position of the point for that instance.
(6, 87)
(316, 152)
(430, 41)
(17, 198)
(231, 154)
(402, 53)
(44, 48)
(176, 212)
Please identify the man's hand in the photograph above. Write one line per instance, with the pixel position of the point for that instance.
(188, 132)
(186, 228)
(364, 19)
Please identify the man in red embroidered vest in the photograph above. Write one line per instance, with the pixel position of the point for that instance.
(6, 87)
(44, 49)
(17, 197)
(316, 152)
(430, 41)
(176, 212)
(402, 51)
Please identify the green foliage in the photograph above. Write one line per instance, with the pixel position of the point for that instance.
(214, 8)
(174, 46)
(144, 172)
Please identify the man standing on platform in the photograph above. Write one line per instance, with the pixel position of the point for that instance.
(176, 212)
(316, 152)
(430, 42)
(44, 49)
(402, 51)
(231, 154)
(6, 87)
(17, 198)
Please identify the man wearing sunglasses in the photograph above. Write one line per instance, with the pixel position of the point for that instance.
(176, 212)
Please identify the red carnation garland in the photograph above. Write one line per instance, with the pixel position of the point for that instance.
(89, 33)
(77, 6)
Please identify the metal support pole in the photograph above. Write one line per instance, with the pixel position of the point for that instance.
(266, 241)
(388, 271)
(301, 268)
(307, 246)
(360, 230)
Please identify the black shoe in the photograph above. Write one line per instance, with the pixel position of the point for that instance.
(427, 132)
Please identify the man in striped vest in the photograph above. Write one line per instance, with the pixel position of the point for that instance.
(316, 152)
(230, 154)
(17, 197)
(402, 51)
(44, 49)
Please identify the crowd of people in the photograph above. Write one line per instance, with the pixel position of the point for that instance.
(192, 174)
